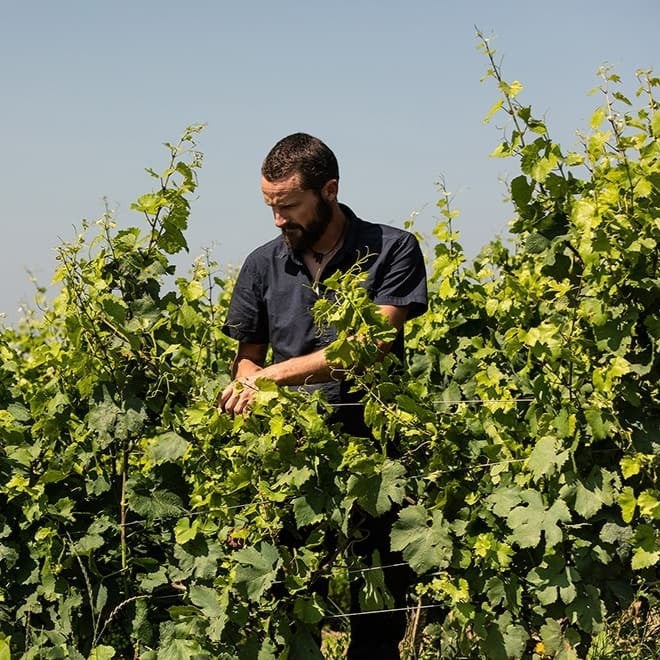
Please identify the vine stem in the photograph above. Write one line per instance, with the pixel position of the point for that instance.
(511, 105)
(123, 507)
(619, 147)
(90, 593)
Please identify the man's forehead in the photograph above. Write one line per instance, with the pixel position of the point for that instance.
(277, 191)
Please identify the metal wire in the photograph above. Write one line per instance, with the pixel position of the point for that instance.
(348, 615)
(452, 402)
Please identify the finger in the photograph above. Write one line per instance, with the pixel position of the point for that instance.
(227, 394)
(244, 403)
(229, 403)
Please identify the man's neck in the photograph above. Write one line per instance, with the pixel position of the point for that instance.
(333, 235)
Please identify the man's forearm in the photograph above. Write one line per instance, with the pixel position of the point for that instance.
(314, 368)
(302, 370)
(245, 367)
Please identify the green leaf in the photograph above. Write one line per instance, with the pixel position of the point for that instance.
(527, 522)
(150, 581)
(627, 502)
(114, 308)
(88, 543)
(590, 496)
(515, 640)
(511, 89)
(167, 447)
(156, 504)
(551, 636)
(181, 649)
(597, 118)
(598, 427)
(588, 609)
(19, 412)
(303, 646)
(424, 546)
(268, 650)
(655, 124)
(649, 505)
(97, 653)
(374, 594)
(185, 531)
(646, 548)
(5, 649)
(615, 534)
(544, 458)
(630, 466)
(191, 290)
(257, 569)
(521, 191)
(207, 600)
(536, 243)
(496, 106)
(309, 609)
(377, 492)
(504, 499)
(149, 203)
(172, 239)
(101, 598)
(542, 167)
(308, 509)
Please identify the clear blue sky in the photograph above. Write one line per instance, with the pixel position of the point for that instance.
(92, 88)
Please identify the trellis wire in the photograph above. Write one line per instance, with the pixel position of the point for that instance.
(451, 402)
(348, 615)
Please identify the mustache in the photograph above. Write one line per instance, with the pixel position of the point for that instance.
(290, 226)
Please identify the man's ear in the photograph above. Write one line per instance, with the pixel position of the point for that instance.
(330, 190)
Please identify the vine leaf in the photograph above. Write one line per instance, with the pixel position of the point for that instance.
(309, 610)
(179, 649)
(167, 447)
(377, 492)
(527, 522)
(101, 652)
(308, 509)
(646, 546)
(424, 546)
(374, 594)
(544, 458)
(594, 493)
(257, 569)
(206, 599)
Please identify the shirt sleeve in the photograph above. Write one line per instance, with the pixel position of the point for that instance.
(247, 320)
(403, 280)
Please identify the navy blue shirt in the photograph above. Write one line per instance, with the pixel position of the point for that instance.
(274, 293)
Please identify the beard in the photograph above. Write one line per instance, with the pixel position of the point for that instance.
(300, 238)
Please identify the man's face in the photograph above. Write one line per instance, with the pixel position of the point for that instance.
(301, 215)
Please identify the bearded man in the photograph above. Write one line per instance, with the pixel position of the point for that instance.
(271, 307)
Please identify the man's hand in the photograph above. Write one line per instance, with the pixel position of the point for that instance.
(238, 396)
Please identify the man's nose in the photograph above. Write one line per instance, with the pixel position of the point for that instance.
(280, 220)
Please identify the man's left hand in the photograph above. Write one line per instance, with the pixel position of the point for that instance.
(238, 396)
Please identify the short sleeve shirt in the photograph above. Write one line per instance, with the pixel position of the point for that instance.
(274, 292)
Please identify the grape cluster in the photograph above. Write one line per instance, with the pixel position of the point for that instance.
(118, 635)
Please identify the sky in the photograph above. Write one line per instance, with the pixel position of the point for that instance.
(91, 89)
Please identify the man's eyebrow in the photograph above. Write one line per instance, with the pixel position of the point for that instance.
(282, 200)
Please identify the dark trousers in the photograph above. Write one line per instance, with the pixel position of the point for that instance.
(377, 635)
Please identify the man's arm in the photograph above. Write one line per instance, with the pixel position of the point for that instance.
(301, 370)
(249, 359)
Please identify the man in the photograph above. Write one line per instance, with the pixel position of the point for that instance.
(280, 281)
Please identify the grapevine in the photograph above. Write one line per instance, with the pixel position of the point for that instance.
(138, 521)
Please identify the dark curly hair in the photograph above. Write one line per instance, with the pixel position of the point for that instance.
(302, 154)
